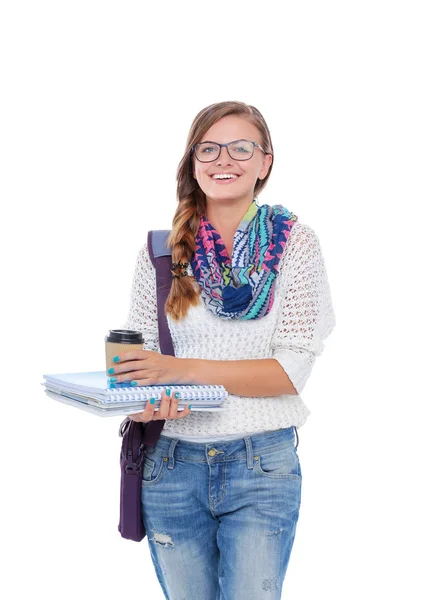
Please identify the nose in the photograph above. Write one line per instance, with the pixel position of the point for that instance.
(223, 157)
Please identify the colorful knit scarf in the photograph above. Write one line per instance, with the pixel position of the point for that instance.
(241, 287)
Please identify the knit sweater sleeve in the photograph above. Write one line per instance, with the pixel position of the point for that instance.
(142, 313)
(306, 316)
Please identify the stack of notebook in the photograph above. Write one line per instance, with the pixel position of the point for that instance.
(93, 392)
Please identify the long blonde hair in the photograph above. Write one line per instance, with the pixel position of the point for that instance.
(185, 291)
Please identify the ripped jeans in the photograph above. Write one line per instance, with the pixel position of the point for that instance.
(221, 517)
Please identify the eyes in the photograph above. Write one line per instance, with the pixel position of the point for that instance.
(233, 148)
(240, 146)
(242, 149)
(238, 150)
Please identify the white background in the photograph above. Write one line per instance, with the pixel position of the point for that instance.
(96, 102)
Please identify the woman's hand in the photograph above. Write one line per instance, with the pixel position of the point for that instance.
(146, 367)
(167, 410)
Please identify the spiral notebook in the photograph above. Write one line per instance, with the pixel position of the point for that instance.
(92, 391)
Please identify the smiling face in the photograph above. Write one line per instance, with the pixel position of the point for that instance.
(239, 189)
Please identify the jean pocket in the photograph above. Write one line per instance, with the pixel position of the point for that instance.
(152, 469)
(279, 463)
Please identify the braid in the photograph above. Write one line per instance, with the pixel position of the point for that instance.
(184, 291)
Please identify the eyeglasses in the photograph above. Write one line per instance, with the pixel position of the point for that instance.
(237, 150)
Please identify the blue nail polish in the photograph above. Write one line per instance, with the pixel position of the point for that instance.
(133, 383)
(168, 392)
(110, 371)
(113, 379)
(177, 395)
(116, 359)
(190, 406)
(152, 400)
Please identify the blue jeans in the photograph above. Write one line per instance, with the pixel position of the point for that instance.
(221, 517)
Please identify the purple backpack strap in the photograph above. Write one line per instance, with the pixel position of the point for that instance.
(160, 256)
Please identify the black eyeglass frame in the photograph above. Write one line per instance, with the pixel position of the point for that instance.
(255, 144)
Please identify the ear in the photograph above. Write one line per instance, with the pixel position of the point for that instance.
(267, 161)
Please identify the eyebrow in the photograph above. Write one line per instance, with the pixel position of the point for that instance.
(211, 141)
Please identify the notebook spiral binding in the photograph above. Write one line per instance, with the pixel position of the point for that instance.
(188, 392)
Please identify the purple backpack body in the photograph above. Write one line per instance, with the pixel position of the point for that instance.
(137, 436)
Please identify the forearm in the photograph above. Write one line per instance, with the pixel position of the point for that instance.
(257, 377)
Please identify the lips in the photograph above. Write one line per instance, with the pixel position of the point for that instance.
(235, 175)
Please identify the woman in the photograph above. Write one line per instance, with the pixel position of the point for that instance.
(249, 310)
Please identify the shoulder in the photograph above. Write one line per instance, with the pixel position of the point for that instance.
(302, 254)
(302, 241)
(144, 251)
(144, 262)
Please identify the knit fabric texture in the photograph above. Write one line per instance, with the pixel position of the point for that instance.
(293, 332)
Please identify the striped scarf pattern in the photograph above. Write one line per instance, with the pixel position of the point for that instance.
(242, 286)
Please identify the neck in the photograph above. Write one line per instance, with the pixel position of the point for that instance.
(225, 216)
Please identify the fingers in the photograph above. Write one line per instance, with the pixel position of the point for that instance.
(173, 412)
(132, 371)
(185, 412)
(130, 362)
(132, 355)
(173, 406)
(168, 409)
(146, 415)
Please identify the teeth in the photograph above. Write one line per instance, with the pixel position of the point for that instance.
(223, 176)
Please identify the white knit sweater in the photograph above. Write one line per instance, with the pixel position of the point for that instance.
(292, 332)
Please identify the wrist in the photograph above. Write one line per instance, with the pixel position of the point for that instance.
(189, 371)
(182, 368)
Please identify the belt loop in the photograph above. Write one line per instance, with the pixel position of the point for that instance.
(249, 447)
(171, 462)
(297, 436)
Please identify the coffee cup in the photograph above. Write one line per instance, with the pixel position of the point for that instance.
(120, 341)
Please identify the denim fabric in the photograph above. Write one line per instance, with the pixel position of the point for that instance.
(221, 517)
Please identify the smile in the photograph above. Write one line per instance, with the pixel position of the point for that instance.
(224, 176)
